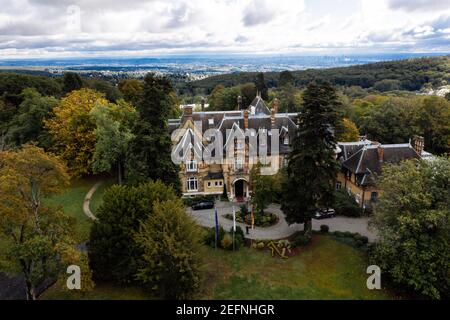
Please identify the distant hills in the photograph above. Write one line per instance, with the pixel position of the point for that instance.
(409, 74)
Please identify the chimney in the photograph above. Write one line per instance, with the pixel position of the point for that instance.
(276, 105)
(203, 103)
(380, 150)
(187, 115)
(239, 103)
(418, 144)
(272, 117)
(246, 119)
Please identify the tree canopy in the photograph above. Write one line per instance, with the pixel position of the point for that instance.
(312, 167)
(37, 240)
(412, 218)
(73, 129)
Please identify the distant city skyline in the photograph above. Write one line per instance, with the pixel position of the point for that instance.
(113, 28)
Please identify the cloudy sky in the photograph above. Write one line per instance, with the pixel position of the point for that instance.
(60, 28)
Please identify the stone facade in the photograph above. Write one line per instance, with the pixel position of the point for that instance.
(200, 176)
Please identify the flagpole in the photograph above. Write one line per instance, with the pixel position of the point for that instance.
(217, 227)
(234, 226)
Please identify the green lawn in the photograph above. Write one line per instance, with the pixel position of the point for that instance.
(100, 292)
(326, 269)
(72, 202)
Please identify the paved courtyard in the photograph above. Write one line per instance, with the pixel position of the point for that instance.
(281, 229)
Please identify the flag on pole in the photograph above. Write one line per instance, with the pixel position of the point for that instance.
(216, 218)
(234, 220)
(253, 219)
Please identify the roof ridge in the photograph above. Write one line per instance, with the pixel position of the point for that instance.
(360, 159)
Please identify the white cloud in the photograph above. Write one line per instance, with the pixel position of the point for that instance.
(117, 27)
(417, 5)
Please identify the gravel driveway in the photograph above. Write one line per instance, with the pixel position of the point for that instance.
(281, 229)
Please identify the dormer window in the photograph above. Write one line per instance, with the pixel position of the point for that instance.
(238, 164)
(239, 144)
(263, 137)
(191, 166)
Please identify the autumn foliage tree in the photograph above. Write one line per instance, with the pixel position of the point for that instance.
(348, 131)
(37, 240)
(73, 129)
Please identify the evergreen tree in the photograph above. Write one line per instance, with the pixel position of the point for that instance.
(113, 253)
(312, 166)
(150, 150)
(261, 86)
(72, 81)
(170, 241)
(286, 78)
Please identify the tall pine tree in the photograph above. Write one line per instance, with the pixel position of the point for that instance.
(261, 86)
(150, 150)
(312, 166)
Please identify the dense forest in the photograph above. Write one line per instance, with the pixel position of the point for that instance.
(378, 100)
(410, 75)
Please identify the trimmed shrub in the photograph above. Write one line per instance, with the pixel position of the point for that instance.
(210, 237)
(227, 242)
(345, 204)
(359, 243)
(348, 234)
(324, 228)
(365, 240)
(301, 239)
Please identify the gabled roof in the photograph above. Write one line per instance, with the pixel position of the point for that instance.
(348, 149)
(188, 142)
(258, 106)
(368, 161)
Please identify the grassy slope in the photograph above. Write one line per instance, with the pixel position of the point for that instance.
(326, 269)
(72, 202)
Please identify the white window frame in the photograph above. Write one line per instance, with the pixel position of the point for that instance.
(286, 140)
(192, 184)
(263, 141)
(238, 163)
(239, 144)
(191, 165)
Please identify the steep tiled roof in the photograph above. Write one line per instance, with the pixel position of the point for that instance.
(348, 149)
(368, 161)
(259, 117)
(259, 106)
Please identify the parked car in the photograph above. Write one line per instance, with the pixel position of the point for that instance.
(203, 205)
(325, 214)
